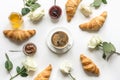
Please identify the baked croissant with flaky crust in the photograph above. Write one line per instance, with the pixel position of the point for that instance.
(88, 65)
(95, 24)
(71, 7)
(45, 74)
(19, 35)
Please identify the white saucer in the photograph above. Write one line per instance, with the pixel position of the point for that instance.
(59, 51)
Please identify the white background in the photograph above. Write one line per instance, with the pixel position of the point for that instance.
(109, 32)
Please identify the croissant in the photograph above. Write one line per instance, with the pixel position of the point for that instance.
(95, 24)
(71, 7)
(88, 65)
(45, 74)
(19, 35)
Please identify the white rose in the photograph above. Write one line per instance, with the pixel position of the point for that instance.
(94, 41)
(65, 67)
(37, 14)
(29, 64)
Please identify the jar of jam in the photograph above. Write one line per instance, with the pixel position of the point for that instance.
(55, 12)
(29, 49)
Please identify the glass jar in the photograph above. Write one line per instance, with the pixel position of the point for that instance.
(16, 20)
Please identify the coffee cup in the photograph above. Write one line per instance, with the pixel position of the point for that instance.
(60, 40)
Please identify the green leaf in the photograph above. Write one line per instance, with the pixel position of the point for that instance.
(34, 6)
(24, 74)
(104, 56)
(28, 4)
(104, 1)
(24, 69)
(112, 47)
(18, 69)
(97, 3)
(25, 11)
(8, 64)
(108, 49)
(31, 1)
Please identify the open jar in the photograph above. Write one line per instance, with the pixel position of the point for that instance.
(29, 49)
(55, 12)
(16, 20)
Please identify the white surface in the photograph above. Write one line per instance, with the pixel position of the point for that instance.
(110, 32)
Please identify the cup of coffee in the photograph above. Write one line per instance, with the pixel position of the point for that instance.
(59, 39)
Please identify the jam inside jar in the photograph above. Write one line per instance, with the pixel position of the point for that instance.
(55, 12)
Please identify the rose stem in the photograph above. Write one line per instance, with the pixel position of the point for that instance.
(54, 2)
(112, 54)
(71, 76)
(14, 50)
(24, 3)
(7, 57)
(8, 60)
(14, 76)
(117, 53)
(109, 56)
